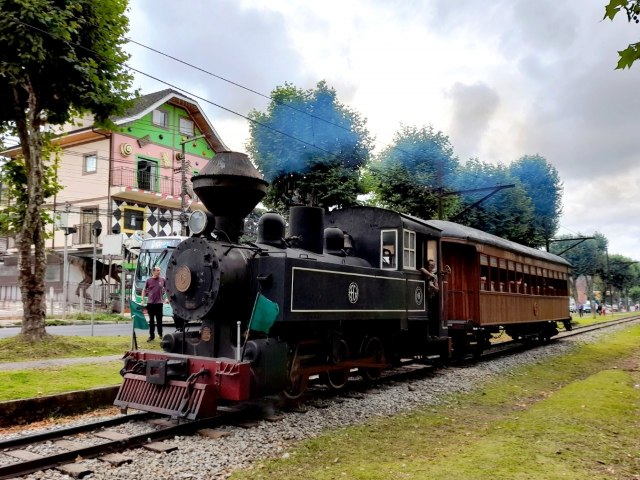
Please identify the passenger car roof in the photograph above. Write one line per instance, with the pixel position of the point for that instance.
(455, 230)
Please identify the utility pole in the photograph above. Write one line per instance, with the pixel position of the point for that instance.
(606, 283)
(65, 264)
(183, 194)
(96, 230)
(65, 271)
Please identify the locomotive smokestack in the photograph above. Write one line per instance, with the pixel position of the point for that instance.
(230, 187)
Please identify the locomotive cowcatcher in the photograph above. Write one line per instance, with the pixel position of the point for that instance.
(264, 317)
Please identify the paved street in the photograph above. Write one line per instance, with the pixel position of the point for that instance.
(108, 329)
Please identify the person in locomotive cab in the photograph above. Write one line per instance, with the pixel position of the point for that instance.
(432, 276)
(155, 289)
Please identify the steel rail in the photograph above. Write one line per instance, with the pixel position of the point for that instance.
(52, 461)
(68, 431)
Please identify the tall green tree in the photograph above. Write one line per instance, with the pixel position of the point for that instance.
(57, 59)
(618, 274)
(13, 178)
(508, 213)
(414, 173)
(587, 258)
(310, 148)
(632, 8)
(634, 294)
(543, 185)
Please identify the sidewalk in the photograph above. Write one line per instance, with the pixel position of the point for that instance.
(57, 362)
(10, 323)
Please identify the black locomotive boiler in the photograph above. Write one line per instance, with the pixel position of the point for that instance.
(343, 290)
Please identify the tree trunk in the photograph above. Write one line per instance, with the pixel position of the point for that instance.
(32, 268)
(574, 288)
(589, 279)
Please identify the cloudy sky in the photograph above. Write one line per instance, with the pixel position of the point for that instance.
(501, 78)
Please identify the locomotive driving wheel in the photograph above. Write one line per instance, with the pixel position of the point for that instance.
(297, 379)
(372, 347)
(337, 379)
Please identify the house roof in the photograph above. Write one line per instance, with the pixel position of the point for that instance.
(147, 103)
(142, 106)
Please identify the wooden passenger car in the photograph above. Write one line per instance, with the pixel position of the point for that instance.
(497, 284)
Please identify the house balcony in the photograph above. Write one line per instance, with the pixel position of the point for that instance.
(146, 187)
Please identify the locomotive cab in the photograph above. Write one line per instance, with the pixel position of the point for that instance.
(398, 244)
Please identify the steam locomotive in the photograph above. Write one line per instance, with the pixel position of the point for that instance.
(341, 294)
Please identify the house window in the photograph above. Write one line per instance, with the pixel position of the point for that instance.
(161, 118)
(4, 194)
(388, 244)
(409, 247)
(88, 216)
(186, 126)
(148, 178)
(133, 219)
(90, 164)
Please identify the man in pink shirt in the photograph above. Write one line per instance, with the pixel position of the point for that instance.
(155, 289)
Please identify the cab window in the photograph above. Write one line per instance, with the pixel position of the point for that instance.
(388, 249)
(409, 249)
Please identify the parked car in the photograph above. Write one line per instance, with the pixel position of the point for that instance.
(586, 308)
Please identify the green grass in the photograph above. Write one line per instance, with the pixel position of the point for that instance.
(31, 383)
(15, 349)
(80, 319)
(590, 318)
(76, 318)
(16, 384)
(571, 417)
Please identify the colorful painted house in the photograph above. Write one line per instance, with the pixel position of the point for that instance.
(130, 179)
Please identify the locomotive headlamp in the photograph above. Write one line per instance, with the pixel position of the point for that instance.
(201, 223)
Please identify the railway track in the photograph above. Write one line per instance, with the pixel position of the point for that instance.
(517, 345)
(103, 440)
(100, 439)
(596, 326)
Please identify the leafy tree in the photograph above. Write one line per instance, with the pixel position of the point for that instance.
(414, 172)
(542, 183)
(509, 213)
(587, 258)
(632, 9)
(57, 59)
(634, 294)
(618, 274)
(251, 225)
(13, 178)
(310, 148)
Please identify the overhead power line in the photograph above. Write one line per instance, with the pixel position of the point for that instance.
(187, 92)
